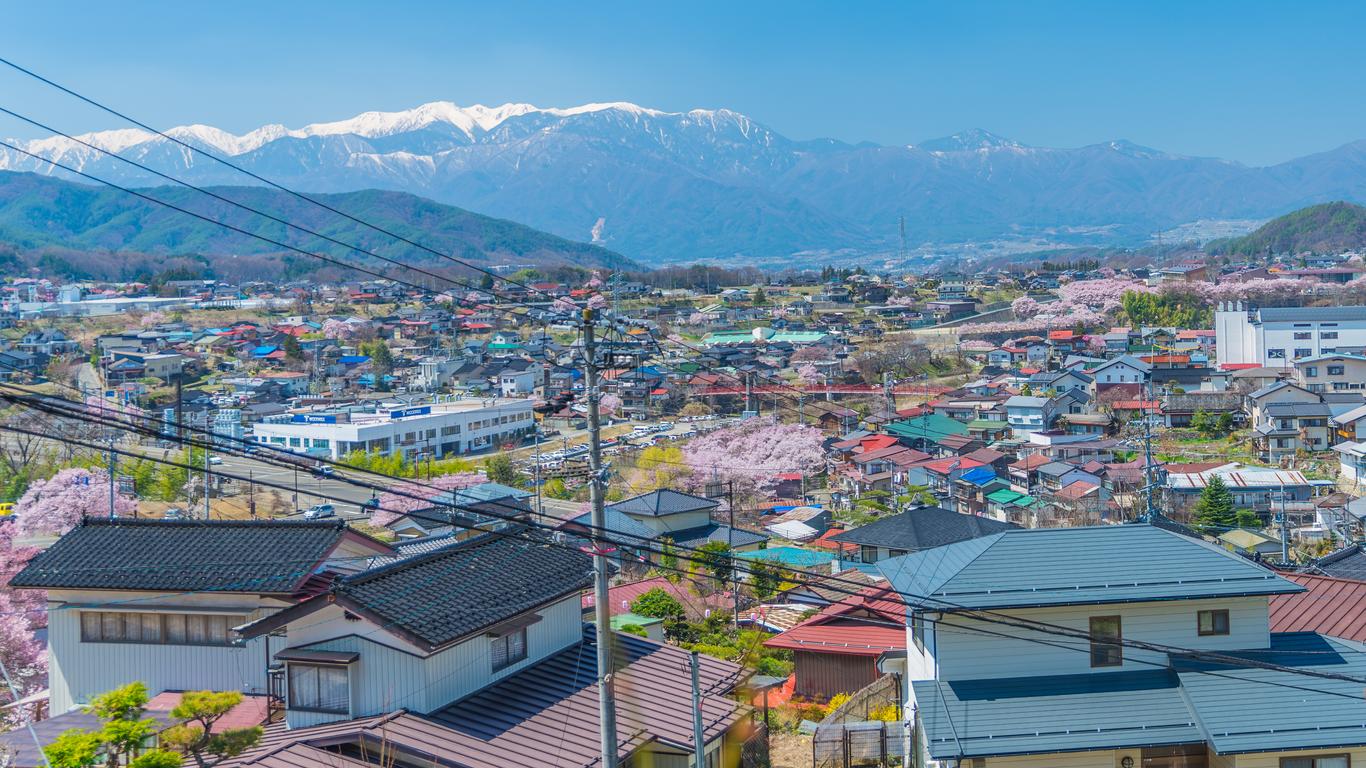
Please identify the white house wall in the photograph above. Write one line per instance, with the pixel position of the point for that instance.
(966, 654)
(391, 673)
(78, 670)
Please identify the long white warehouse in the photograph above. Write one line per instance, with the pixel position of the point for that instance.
(437, 429)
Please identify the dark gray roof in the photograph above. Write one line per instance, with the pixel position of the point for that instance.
(922, 529)
(664, 502)
(696, 537)
(1298, 409)
(272, 557)
(1311, 314)
(1346, 563)
(443, 596)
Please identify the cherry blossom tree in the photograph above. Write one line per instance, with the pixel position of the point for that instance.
(410, 497)
(598, 302)
(594, 281)
(809, 375)
(56, 505)
(338, 330)
(811, 354)
(610, 404)
(23, 658)
(564, 305)
(1024, 307)
(152, 318)
(752, 454)
(31, 602)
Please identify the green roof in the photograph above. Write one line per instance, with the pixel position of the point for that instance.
(743, 337)
(623, 619)
(1111, 710)
(983, 425)
(931, 426)
(1097, 565)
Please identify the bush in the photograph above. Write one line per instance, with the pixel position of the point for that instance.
(657, 604)
(633, 629)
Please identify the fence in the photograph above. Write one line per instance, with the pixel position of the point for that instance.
(754, 752)
(855, 745)
(848, 738)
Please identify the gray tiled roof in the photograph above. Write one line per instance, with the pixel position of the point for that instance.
(922, 529)
(664, 502)
(269, 556)
(488, 580)
(696, 537)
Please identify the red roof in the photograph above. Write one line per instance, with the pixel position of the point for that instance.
(950, 464)
(1335, 607)
(253, 710)
(1239, 366)
(1137, 405)
(875, 443)
(846, 627)
(1061, 335)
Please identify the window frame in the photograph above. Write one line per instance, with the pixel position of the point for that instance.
(163, 619)
(1213, 613)
(1289, 762)
(1110, 644)
(509, 660)
(292, 703)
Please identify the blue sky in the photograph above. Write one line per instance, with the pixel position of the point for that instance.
(1254, 82)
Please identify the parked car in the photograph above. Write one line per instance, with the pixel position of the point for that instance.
(319, 511)
(174, 513)
(324, 470)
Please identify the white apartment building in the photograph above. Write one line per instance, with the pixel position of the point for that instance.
(1276, 337)
(435, 429)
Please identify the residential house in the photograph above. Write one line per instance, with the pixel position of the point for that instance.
(162, 617)
(475, 655)
(838, 650)
(994, 681)
(1331, 373)
(919, 529)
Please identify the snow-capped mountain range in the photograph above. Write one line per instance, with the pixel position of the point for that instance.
(663, 186)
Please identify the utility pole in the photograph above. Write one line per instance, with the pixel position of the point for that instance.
(251, 493)
(1285, 529)
(1150, 512)
(206, 481)
(607, 706)
(113, 460)
(699, 747)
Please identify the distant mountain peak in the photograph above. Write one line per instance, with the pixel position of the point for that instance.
(971, 140)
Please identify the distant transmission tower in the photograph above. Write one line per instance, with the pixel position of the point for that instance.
(905, 252)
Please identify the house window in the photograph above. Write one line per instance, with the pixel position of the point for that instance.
(1335, 370)
(868, 553)
(1303, 352)
(918, 631)
(1105, 648)
(1311, 371)
(1328, 335)
(320, 688)
(508, 649)
(158, 628)
(1212, 623)
(1276, 354)
(1322, 761)
(1303, 336)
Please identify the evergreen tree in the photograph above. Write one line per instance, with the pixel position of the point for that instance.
(1214, 511)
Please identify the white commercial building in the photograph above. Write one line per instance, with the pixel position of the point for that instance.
(418, 431)
(1276, 337)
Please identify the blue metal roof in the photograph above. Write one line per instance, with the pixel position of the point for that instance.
(1061, 713)
(1021, 568)
(1247, 709)
(793, 556)
(979, 475)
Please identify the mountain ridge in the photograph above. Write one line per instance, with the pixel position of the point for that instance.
(40, 213)
(714, 184)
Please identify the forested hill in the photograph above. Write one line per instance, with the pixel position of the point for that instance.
(1325, 228)
(100, 232)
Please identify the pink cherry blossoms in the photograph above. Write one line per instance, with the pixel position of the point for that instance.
(56, 505)
(412, 496)
(753, 454)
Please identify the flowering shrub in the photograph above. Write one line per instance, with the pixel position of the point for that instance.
(411, 497)
(56, 505)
